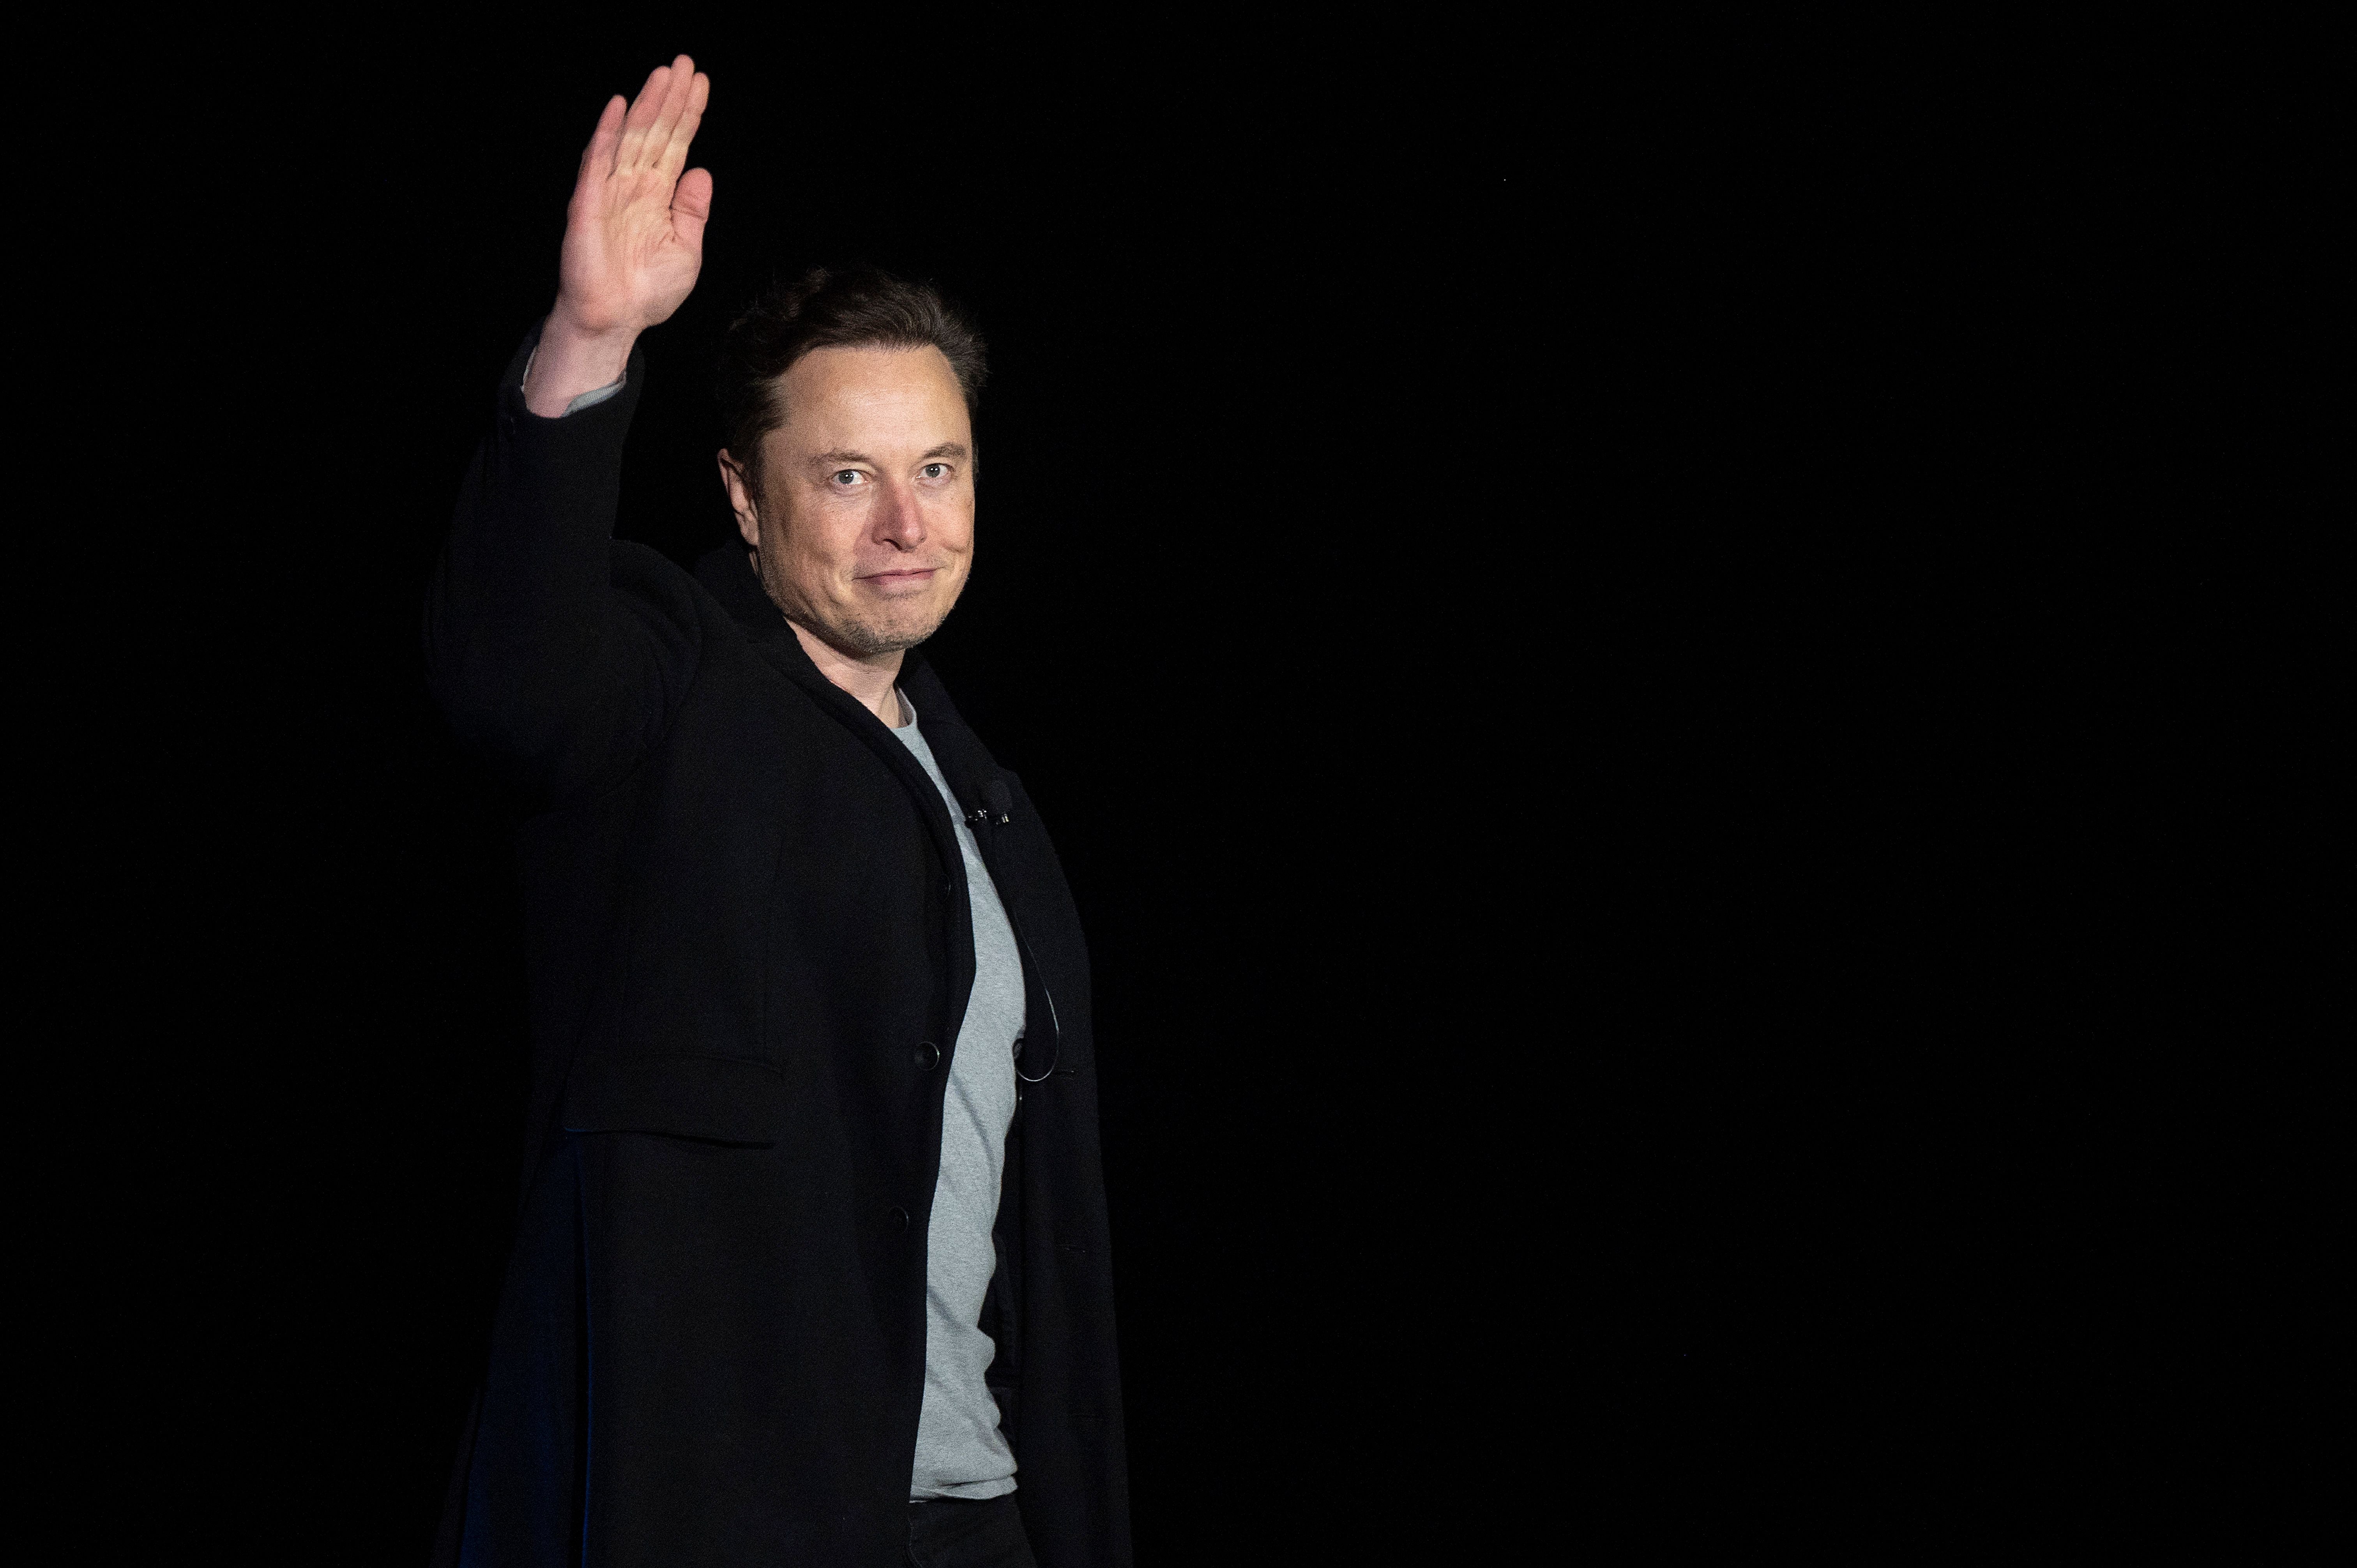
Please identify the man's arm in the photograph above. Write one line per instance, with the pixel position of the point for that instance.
(535, 656)
(586, 400)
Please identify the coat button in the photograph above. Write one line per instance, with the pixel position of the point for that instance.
(928, 1056)
(900, 1217)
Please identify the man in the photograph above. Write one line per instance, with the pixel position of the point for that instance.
(811, 1265)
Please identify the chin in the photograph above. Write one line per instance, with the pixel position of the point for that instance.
(871, 635)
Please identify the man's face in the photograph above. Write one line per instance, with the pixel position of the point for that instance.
(865, 532)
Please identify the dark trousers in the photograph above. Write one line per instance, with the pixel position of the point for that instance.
(950, 1532)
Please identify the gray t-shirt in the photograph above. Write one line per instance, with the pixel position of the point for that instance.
(960, 1451)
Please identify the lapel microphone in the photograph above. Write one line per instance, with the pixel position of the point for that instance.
(999, 805)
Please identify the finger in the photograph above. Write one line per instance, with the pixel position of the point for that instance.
(691, 207)
(683, 133)
(597, 157)
(643, 109)
(677, 89)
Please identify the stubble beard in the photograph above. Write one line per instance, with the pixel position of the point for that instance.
(865, 638)
(857, 636)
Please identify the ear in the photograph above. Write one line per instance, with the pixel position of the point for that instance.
(740, 499)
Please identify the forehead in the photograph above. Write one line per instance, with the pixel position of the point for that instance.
(876, 394)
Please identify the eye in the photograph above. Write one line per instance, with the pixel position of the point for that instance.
(847, 477)
(936, 470)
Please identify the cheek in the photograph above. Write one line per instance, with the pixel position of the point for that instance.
(953, 522)
(828, 536)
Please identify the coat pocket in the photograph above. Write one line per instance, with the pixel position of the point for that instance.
(720, 1099)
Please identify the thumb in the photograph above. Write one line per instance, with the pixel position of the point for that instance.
(691, 204)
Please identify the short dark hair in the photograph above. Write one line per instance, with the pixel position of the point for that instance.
(853, 308)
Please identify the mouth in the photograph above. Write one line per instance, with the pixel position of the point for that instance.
(901, 581)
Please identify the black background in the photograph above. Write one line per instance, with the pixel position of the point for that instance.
(1618, 642)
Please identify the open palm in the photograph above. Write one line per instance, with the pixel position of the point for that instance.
(634, 230)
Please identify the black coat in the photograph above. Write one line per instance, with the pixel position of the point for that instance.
(749, 933)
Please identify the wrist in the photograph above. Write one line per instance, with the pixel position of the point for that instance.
(573, 360)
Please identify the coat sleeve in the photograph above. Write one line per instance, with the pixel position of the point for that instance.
(562, 675)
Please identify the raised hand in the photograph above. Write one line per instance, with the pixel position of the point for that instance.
(633, 237)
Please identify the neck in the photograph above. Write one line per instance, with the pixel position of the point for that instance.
(869, 678)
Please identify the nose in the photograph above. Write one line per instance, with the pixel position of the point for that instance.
(899, 521)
